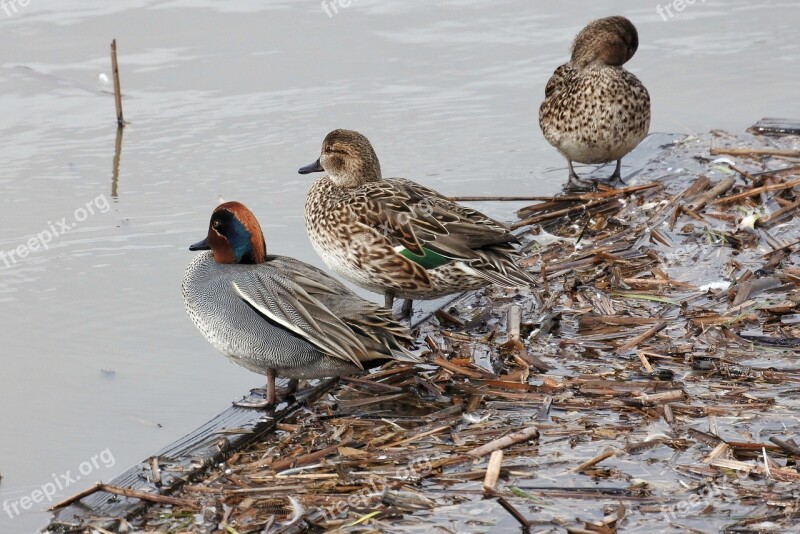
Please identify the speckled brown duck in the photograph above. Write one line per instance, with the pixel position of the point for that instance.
(594, 110)
(397, 237)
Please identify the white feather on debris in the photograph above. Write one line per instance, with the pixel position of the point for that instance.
(297, 511)
(719, 284)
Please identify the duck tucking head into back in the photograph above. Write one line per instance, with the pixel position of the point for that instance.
(612, 40)
(594, 110)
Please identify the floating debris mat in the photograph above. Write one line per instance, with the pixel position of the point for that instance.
(651, 383)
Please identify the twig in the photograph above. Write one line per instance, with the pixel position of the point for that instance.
(719, 189)
(656, 398)
(754, 152)
(700, 184)
(311, 457)
(155, 470)
(493, 471)
(560, 213)
(545, 281)
(458, 369)
(645, 362)
(125, 492)
(494, 199)
(598, 195)
(786, 446)
(117, 90)
(594, 461)
(515, 513)
(445, 317)
(502, 443)
(641, 337)
(744, 174)
(416, 437)
(757, 191)
(514, 319)
(647, 283)
(774, 216)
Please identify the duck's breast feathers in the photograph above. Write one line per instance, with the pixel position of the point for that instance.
(290, 302)
(407, 214)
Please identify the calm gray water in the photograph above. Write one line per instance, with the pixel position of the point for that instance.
(101, 366)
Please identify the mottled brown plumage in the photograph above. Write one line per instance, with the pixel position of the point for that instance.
(399, 238)
(594, 110)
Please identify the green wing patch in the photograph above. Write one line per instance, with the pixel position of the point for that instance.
(428, 260)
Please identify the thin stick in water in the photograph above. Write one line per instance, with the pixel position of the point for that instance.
(117, 91)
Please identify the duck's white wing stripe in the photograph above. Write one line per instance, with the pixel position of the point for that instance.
(333, 350)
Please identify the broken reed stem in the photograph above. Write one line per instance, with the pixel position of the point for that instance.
(559, 213)
(514, 320)
(493, 471)
(494, 199)
(552, 201)
(641, 337)
(774, 216)
(790, 448)
(645, 362)
(655, 399)
(125, 492)
(458, 369)
(594, 461)
(502, 443)
(754, 152)
(117, 90)
(757, 191)
(310, 458)
(516, 514)
(719, 189)
(416, 437)
(155, 470)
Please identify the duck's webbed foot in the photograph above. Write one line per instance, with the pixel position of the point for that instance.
(577, 184)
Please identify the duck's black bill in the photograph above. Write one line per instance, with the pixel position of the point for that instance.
(314, 167)
(202, 245)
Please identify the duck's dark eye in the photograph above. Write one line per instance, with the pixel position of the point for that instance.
(216, 225)
(328, 148)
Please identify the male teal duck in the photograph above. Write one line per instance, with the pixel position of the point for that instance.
(594, 110)
(397, 237)
(278, 316)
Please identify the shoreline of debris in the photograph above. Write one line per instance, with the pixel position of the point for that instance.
(652, 382)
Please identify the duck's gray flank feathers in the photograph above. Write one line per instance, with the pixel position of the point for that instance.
(281, 317)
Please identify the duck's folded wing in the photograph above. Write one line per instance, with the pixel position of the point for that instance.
(419, 218)
(286, 303)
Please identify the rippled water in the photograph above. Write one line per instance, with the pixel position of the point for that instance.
(229, 99)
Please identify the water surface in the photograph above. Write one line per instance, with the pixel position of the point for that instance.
(101, 366)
